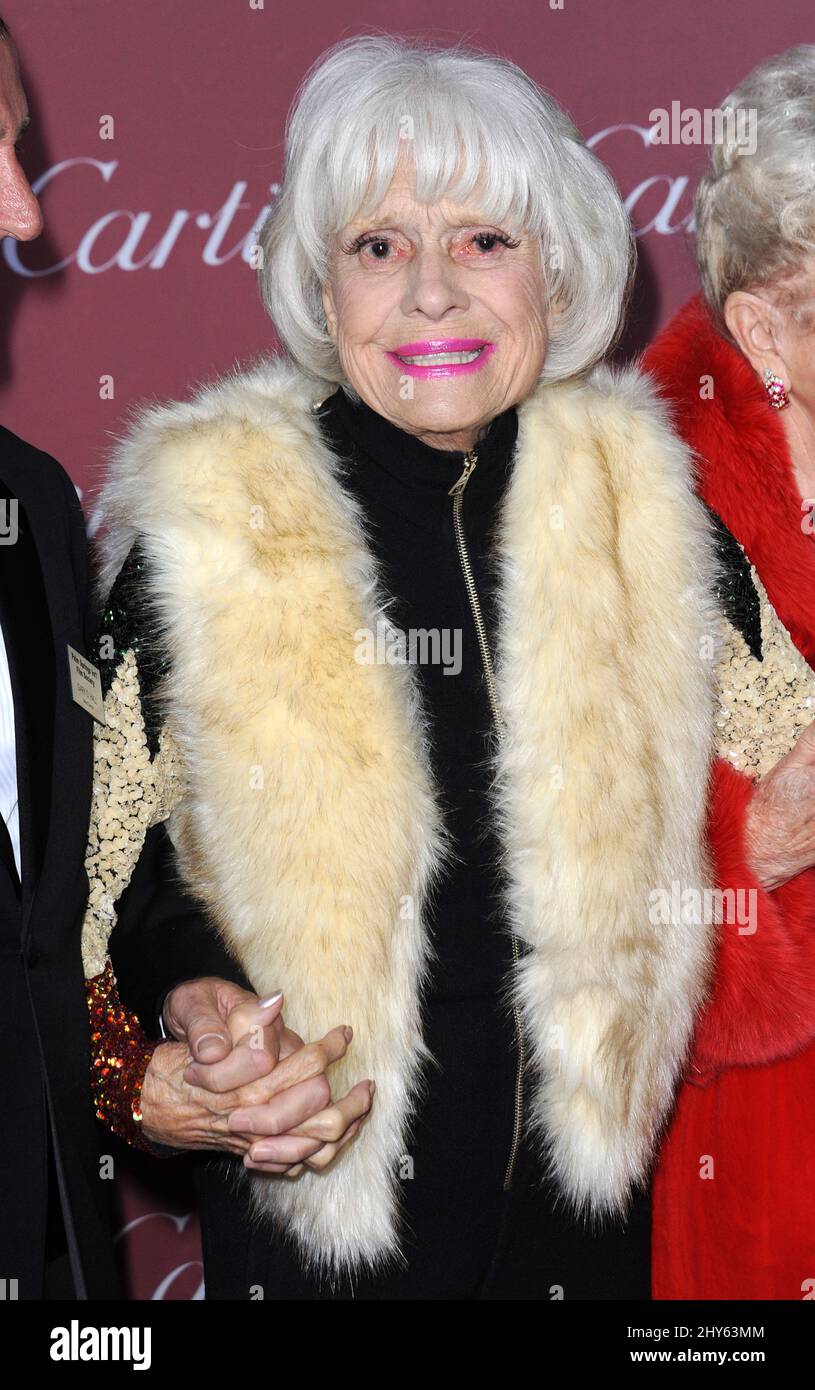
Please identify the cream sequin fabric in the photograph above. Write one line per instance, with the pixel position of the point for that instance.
(763, 706)
(131, 792)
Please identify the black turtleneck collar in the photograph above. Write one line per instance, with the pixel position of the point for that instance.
(383, 440)
(414, 476)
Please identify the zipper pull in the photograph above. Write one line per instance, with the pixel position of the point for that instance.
(470, 460)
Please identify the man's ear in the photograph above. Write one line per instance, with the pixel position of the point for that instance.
(753, 324)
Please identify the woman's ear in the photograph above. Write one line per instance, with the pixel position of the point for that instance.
(753, 324)
(330, 311)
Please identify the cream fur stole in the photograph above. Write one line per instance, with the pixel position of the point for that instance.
(310, 826)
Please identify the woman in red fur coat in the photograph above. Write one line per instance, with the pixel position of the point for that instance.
(734, 1213)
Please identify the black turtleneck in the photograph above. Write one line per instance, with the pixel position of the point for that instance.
(402, 485)
(464, 1127)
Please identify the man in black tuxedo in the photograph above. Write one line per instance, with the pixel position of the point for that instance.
(54, 1234)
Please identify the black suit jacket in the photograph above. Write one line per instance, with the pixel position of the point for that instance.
(162, 935)
(44, 1037)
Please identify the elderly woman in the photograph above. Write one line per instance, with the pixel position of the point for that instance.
(734, 1212)
(407, 655)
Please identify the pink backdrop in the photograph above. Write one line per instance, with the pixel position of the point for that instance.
(139, 286)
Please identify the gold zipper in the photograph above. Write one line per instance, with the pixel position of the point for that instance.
(457, 494)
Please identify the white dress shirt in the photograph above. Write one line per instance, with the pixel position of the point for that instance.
(9, 806)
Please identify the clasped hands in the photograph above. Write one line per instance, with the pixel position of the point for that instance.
(238, 1079)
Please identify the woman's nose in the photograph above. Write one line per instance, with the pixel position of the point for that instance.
(432, 283)
(20, 212)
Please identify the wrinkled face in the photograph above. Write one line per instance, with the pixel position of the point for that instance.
(20, 214)
(440, 318)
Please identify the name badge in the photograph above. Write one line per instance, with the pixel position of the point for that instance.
(86, 684)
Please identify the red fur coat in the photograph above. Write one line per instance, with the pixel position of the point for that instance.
(748, 1101)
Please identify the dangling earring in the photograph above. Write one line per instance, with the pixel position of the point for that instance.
(777, 394)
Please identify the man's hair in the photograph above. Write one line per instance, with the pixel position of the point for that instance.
(4, 29)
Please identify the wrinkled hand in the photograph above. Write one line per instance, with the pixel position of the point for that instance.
(780, 824)
(210, 1015)
(331, 1127)
(255, 1089)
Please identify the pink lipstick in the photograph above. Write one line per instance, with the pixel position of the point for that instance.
(441, 356)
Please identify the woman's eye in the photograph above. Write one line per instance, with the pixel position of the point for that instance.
(485, 242)
(375, 247)
(378, 248)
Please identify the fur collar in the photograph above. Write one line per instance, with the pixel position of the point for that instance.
(310, 825)
(746, 473)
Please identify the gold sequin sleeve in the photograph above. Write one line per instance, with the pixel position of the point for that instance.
(136, 784)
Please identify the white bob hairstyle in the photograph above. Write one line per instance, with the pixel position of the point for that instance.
(755, 213)
(468, 113)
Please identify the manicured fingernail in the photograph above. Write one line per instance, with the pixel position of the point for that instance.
(273, 998)
(372, 1085)
(205, 1045)
(349, 1033)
